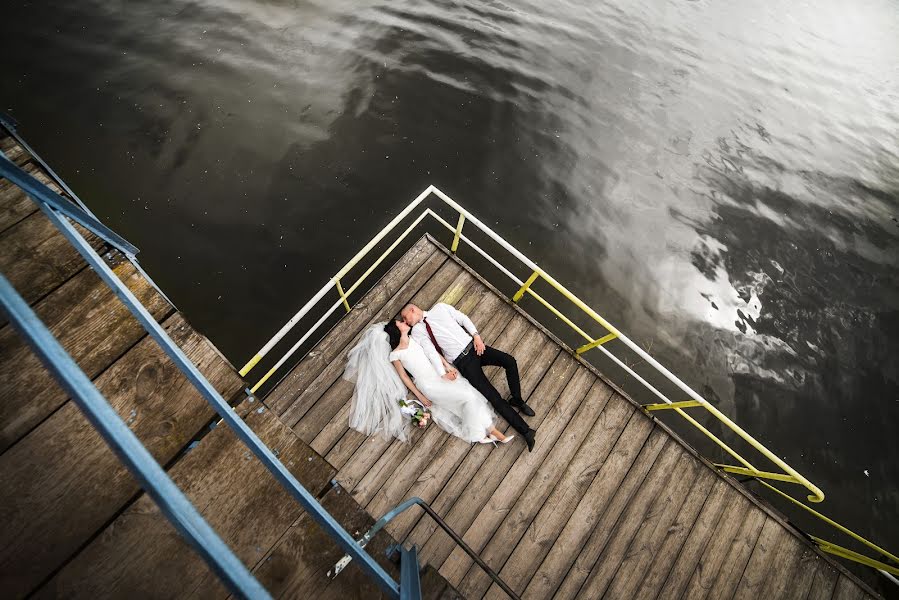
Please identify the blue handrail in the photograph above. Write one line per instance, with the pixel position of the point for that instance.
(403, 507)
(44, 195)
(59, 210)
(11, 126)
(212, 396)
(171, 500)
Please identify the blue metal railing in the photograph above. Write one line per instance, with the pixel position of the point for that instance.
(175, 506)
(11, 127)
(153, 478)
(403, 507)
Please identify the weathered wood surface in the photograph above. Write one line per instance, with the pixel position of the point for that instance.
(61, 483)
(92, 325)
(15, 204)
(12, 149)
(498, 525)
(297, 565)
(140, 554)
(36, 258)
(609, 504)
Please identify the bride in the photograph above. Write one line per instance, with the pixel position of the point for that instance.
(455, 405)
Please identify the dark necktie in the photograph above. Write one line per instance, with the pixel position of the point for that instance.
(431, 335)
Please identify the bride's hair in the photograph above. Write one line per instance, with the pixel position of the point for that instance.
(393, 332)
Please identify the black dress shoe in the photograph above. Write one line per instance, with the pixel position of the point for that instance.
(522, 407)
(529, 438)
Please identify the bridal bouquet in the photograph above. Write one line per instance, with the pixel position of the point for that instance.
(420, 414)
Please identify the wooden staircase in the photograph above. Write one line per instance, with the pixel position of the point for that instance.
(75, 522)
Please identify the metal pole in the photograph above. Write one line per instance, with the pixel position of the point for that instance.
(241, 429)
(171, 500)
(44, 195)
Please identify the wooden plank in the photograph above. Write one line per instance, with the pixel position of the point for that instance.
(299, 562)
(644, 510)
(761, 562)
(651, 469)
(15, 204)
(579, 474)
(524, 490)
(626, 466)
(654, 575)
(285, 394)
(776, 516)
(669, 580)
(738, 528)
(847, 589)
(488, 314)
(536, 356)
(433, 585)
(824, 583)
(458, 501)
(337, 344)
(13, 150)
(37, 259)
(734, 567)
(63, 468)
(683, 499)
(141, 554)
(92, 325)
(783, 565)
(372, 449)
(798, 584)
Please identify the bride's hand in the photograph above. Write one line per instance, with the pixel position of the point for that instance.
(451, 374)
(425, 401)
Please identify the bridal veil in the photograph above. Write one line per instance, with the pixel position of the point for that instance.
(376, 399)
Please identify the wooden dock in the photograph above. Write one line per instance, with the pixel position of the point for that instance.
(610, 504)
(75, 522)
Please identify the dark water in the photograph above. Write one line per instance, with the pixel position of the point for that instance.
(720, 179)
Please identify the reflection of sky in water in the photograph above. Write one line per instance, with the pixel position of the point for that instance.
(721, 181)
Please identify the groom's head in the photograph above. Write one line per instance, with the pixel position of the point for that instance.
(411, 314)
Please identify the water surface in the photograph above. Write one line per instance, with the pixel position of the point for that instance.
(720, 179)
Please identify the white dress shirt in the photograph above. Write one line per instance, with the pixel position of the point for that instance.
(452, 329)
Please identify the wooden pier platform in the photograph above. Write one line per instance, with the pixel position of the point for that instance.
(75, 524)
(611, 504)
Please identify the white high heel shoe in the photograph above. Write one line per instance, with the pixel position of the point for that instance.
(508, 439)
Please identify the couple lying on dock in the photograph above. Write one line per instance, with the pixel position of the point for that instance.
(439, 357)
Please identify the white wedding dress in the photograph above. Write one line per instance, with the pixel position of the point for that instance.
(456, 406)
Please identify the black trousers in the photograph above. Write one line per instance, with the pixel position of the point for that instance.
(471, 367)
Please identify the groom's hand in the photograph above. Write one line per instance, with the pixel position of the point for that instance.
(451, 374)
(479, 346)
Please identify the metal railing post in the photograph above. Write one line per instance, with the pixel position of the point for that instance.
(340, 291)
(410, 583)
(406, 505)
(459, 225)
(527, 284)
(595, 343)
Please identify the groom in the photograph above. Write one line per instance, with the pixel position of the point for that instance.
(457, 339)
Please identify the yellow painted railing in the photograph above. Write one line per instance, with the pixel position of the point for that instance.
(601, 342)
